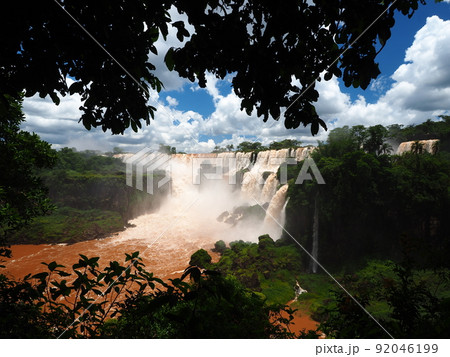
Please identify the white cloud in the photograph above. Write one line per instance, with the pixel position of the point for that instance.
(331, 100)
(421, 87)
(420, 90)
(380, 85)
(211, 87)
(173, 102)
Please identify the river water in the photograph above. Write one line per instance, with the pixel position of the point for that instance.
(165, 244)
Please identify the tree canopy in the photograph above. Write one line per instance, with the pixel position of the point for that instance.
(284, 144)
(247, 146)
(343, 140)
(274, 52)
(374, 205)
(22, 193)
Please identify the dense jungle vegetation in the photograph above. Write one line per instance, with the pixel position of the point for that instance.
(90, 196)
(383, 230)
(383, 234)
(374, 205)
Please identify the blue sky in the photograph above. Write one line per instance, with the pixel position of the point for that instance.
(392, 56)
(414, 85)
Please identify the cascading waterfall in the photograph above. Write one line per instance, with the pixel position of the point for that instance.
(219, 197)
(269, 188)
(429, 146)
(315, 242)
(273, 222)
(255, 185)
(283, 213)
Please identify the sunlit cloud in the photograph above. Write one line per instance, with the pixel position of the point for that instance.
(419, 89)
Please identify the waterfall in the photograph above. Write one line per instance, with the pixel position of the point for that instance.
(429, 146)
(298, 290)
(283, 213)
(315, 243)
(303, 153)
(260, 182)
(217, 185)
(270, 188)
(274, 216)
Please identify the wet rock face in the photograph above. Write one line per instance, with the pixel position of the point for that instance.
(243, 213)
(229, 218)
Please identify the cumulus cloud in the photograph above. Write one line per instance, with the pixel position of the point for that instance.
(419, 89)
(331, 100)
(173, 102)
(423, 82)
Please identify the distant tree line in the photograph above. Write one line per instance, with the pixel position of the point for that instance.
(250, 146)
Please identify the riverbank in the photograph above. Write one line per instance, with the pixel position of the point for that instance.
(70, 225)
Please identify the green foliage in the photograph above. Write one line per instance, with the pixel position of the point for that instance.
(213, 307)
(22, 193)
(89, 181)
(218, 149)
(129, 302)
(112, 99)
(406, 305)
(220, 246)
(318, 295)
(253, 214)
(87, 161)
(230, 147)
(264, 267)
(74, 304)
(277, 291)
(20, 315)
(253, 30)
(89, 189)
(375, 142)
(285, 144)
(265, 243)
(424, 131)
(247, 146)
(250, 212)
(376, 206)
(343, 140)
(372, 205)
(200, 258)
